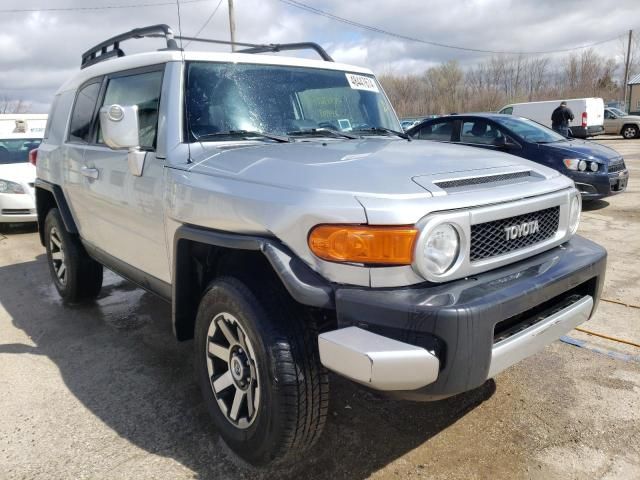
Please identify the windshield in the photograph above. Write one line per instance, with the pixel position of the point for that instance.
(618, 112)
(16, 150)
(231, 97)
(529, 130)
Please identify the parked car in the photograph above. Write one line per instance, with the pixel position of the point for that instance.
(588, 113)
(598, 171)
(274, 202)
(17, 177)
(619, 122)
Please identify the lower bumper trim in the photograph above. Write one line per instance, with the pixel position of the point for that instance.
(376, 361)
(524, 344)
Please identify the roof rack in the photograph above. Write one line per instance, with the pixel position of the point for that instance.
(111, 48)
(101, 52)
(262, 48)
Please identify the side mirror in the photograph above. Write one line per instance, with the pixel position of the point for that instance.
(120, 131)
(507, 143)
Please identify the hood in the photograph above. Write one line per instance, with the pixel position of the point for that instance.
(631, 118)
(22, 173)
(584, 149)
(368, 166)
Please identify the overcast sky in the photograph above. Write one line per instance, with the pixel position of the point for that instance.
(39, 50)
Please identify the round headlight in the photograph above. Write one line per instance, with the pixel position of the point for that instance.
(582, 165)
(440, 249)
(574, 213)
(593, 166)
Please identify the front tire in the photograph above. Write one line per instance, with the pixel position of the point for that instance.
(75, 274)
(630, 131)
(259, 370)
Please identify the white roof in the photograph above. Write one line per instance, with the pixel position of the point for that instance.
(158, 57)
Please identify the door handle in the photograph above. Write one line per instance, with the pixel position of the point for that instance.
(92, 173)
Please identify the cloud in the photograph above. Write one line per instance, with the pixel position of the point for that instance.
(39, 50)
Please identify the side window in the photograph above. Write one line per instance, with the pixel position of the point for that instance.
(507, 111)
(608, 115)
(80, 125)
(480, 132)
(143, 90)
(438, 131)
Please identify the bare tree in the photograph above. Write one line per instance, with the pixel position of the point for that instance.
(13, 106)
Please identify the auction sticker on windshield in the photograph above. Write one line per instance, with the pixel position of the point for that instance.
(360, 82)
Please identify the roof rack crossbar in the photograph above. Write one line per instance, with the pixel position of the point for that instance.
(111, 48)
(262, 48)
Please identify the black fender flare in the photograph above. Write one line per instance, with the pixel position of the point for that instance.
(304, 284)
(61, 203)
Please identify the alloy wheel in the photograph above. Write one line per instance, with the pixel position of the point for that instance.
(57, 256)
(629, 132)
(233, 372)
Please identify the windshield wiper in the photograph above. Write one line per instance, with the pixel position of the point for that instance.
(388, 131)
(323, 132)
(246, 135)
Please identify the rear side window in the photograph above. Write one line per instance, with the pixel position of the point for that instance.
(143, 90)
(438, 131)
(80, 126)
(480, 132)
(507, 111)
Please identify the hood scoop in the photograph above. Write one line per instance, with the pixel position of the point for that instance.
(477, 182)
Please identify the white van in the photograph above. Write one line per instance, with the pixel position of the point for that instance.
(588, 114)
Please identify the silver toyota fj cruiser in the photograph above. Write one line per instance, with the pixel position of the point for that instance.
(276, 204)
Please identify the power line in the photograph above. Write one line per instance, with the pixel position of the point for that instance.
(317, 11)
(205, 23)
(103, 7)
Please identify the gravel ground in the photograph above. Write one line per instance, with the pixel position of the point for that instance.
(104, 391)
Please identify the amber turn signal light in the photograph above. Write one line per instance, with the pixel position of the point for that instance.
(383, 245)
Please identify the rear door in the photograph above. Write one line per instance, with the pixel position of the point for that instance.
(73, 172)
(127, 215)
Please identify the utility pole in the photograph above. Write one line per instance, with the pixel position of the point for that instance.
(232, 26)
(626, 70)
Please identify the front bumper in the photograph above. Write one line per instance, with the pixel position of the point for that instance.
(474, 327)
(17, 208)
(594, 186)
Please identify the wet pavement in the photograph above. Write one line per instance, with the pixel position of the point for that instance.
(104, 390)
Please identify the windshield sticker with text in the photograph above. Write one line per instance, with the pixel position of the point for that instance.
(360, 82)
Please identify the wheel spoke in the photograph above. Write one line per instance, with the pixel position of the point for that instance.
(237, 401)
(242, 340)
(219, 351)
(55, 241)
(61, 270)
(231, 338)
(56, 255)
(224, 381)
(250, 404)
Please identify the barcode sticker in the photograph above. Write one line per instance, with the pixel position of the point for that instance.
(360, 82)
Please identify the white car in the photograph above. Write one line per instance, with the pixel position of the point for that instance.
(17, 177)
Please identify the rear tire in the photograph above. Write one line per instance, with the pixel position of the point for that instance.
(629, 132)
(75, 274)
(264, 350)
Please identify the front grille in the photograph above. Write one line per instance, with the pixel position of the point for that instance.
(464, 182)
(616, 166)
(490, 239)
(16, 211)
